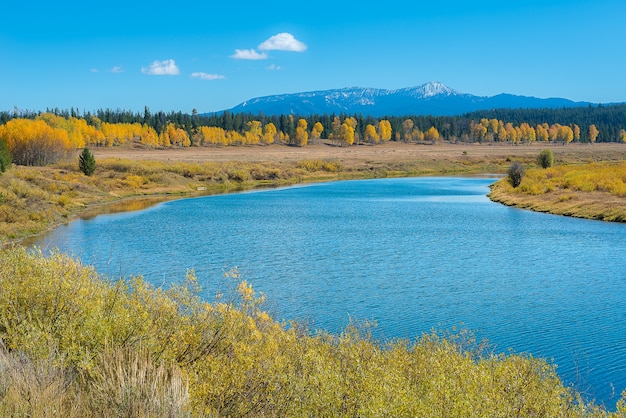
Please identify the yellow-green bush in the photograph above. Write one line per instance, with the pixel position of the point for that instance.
(124, 348)
(320, 165)
(592, 177)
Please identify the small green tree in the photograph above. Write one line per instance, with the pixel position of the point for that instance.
(5, 156)
(516, 173)
(87, 162)
(546, 158)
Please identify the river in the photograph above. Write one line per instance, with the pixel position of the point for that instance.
(412, 254)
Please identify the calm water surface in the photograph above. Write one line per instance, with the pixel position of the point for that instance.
(413, 254)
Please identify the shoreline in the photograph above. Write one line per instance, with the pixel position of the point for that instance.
(356, 162)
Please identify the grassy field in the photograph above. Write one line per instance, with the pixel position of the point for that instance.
(35, 199)
(592, 191)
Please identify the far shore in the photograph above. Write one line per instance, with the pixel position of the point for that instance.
(441, 158)
(131, 177)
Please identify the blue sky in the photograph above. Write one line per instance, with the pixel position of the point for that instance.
(209, 55)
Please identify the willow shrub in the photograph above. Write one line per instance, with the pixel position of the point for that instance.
(546, 158)
(125, 348)
(516, 173)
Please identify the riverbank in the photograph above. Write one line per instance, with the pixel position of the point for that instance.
(590, 191)
(36, 199)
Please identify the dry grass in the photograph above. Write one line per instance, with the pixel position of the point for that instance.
(592, 191)
(36, 388)
(128, 382)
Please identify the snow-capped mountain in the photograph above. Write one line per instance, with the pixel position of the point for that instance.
(432, 98)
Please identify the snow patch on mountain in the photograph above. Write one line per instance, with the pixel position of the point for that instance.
(433, 98)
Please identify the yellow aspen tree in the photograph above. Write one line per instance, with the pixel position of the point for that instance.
(347, 134)
(384, 130)
(69, 125)
(352, 122)
(622, 135)
(528, 133)
(269, 133)
(34, 142)
(316, 132)
(417, 135)
(97, 139)
(256, 131)
(431, 135)
(511, 133)
(212, 135)
(235, 138)
(177, 136)
(200, 137)
(302, 135)
(371, 135)
(593, 133)
(89, 133)
(493, 126)
(576, 130)
(336, 127)
(164, 137)
(107, 131)
(541, 133)
(565, 134)
(478, 131)
(553, 132)
(501, 136)
(149, 136)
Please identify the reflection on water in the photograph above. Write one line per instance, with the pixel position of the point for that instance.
(126, 205)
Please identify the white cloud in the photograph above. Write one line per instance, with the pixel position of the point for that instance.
(283, 42)
(248, 54)
(274, 67)
(206, 76)
(116, 69)
(165, 67)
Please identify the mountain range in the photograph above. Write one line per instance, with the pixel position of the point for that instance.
(433, 98)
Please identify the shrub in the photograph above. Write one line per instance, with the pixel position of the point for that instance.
(516, 174)
(77, 345)
(87, 162)
(546, 158)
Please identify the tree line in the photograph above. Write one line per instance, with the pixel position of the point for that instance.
(36, 138)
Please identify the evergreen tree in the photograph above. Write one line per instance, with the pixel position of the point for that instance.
(5, 156)
(87, 162)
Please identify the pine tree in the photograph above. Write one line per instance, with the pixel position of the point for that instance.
(87, 162)
(5, 156)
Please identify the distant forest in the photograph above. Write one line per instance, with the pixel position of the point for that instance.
(609, 121)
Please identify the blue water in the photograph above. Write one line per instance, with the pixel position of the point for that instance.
(413, 254)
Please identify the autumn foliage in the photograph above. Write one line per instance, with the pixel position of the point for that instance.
(77, 344)
(48, 137)
(34, 142)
